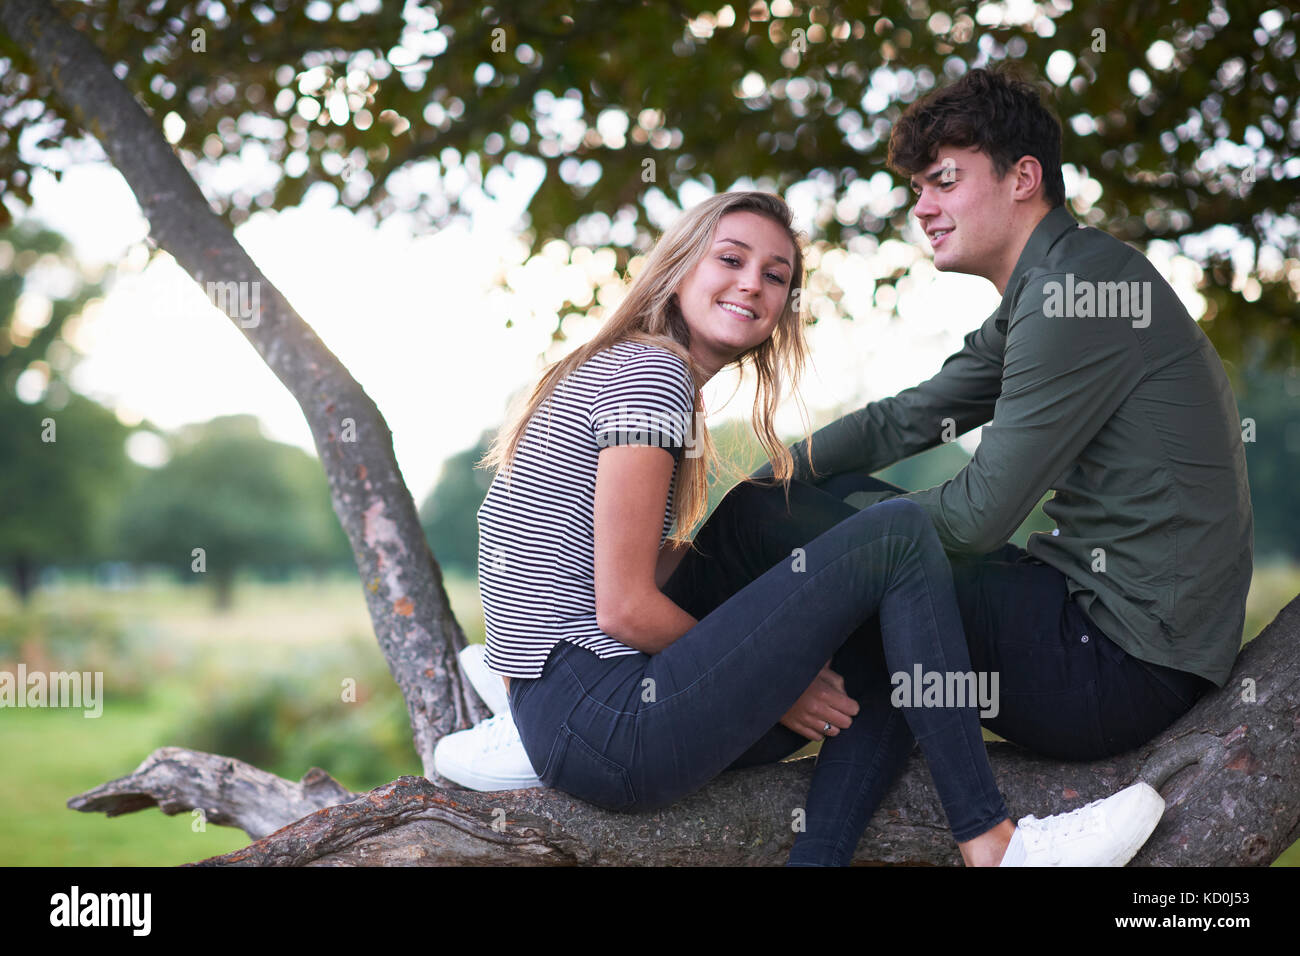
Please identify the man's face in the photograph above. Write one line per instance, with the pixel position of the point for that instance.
(967, 213)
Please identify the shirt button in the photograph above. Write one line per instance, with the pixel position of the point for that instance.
(1084, 639)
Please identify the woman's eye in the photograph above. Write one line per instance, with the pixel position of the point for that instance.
(730, 260)
(776, 278)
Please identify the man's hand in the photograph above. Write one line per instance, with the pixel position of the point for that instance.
(823, 702)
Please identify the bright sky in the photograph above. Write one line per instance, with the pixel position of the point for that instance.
(420, 321)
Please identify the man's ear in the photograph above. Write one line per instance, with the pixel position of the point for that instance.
(1028, 173)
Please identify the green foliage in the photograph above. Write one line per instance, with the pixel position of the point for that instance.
(1184, 113)
(289, 722)
(245, 500)
(449, 516)
(1269, 401)
(38, 264)
(80, 639)
(57, 498)
(64, 456)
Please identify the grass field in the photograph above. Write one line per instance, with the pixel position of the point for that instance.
(263, 674)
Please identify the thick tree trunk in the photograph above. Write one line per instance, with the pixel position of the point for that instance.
(1229, 771)
(402, 583)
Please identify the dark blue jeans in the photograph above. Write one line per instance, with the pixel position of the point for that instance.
(1065, 690)
(641, 731)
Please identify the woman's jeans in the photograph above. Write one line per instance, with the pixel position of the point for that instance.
(641, 731)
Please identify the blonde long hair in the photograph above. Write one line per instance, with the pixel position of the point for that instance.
(650, 314)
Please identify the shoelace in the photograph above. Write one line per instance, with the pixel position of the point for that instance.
(498, 732)
(1063, 826)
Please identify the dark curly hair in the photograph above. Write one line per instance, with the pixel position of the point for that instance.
(998, 111)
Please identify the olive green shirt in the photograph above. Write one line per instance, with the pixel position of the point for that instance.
(1098, 385)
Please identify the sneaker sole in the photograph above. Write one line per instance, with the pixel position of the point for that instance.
(450, 768)
(487, 783)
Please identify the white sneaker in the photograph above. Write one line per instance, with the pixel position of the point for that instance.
(489, 756)
(488, 685)
(1104, 833)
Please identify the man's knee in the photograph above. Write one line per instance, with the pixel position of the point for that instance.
(749, 498)
(744, 510)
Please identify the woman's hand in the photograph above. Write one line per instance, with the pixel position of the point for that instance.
(823, 702)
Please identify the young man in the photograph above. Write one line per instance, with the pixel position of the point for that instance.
(1092, 382)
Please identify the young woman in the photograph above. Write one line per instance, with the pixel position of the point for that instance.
(626, 699)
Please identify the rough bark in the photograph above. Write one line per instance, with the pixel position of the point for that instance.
(1228, 769)
(401, 581)
(229, 792)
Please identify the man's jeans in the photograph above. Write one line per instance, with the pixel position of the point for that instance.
(641, 731)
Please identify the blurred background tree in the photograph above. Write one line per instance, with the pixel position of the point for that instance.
(248, 502)
(63, 461)
(449, 515)
(1269, 399)
(71, 496)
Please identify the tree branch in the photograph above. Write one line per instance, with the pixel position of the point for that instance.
(1228, 769)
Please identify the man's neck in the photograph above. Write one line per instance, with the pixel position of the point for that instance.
(1022, 234)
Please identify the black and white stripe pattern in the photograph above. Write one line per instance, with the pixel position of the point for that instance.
(536, 559)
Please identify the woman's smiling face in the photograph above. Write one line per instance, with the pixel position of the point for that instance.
(735, 295)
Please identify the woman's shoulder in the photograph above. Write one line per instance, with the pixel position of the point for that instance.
(633, 357)
(641, 374)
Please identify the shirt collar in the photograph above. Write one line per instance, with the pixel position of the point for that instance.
(1050, 228)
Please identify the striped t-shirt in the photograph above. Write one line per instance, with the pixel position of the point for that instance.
(536, 559)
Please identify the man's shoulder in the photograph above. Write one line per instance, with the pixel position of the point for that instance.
(1090, 274)
(1092, 254)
